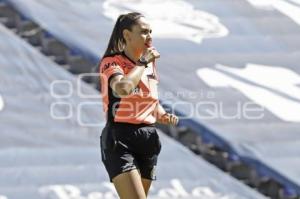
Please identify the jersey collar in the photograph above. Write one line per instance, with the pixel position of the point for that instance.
(123, 53)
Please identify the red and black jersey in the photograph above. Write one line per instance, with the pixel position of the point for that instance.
(136, 108)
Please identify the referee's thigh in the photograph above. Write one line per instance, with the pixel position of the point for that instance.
(129, 185)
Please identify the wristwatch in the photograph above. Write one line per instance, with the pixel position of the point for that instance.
(143, 61)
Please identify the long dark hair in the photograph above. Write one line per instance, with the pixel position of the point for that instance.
(117, 42)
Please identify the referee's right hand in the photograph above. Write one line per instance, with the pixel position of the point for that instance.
(150, 55)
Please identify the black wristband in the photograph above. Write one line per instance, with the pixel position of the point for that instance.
(143, 62)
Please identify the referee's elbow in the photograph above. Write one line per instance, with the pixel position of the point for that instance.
(123, 89)
(123, 93)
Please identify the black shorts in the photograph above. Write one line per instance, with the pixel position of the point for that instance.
(125, 147)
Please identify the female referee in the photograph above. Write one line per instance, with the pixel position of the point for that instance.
(129, 142)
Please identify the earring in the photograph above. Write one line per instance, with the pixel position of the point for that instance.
(121, 46)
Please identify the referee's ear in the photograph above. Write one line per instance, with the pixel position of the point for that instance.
(127, 35)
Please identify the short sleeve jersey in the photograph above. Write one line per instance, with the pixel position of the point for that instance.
(136, 108)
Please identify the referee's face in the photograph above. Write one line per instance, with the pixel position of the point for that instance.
(140, 36)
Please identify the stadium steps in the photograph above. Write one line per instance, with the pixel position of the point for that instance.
(50, 47)
(57, 51)
(230, 164)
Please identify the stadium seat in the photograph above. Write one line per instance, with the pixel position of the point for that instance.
(8, 16)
